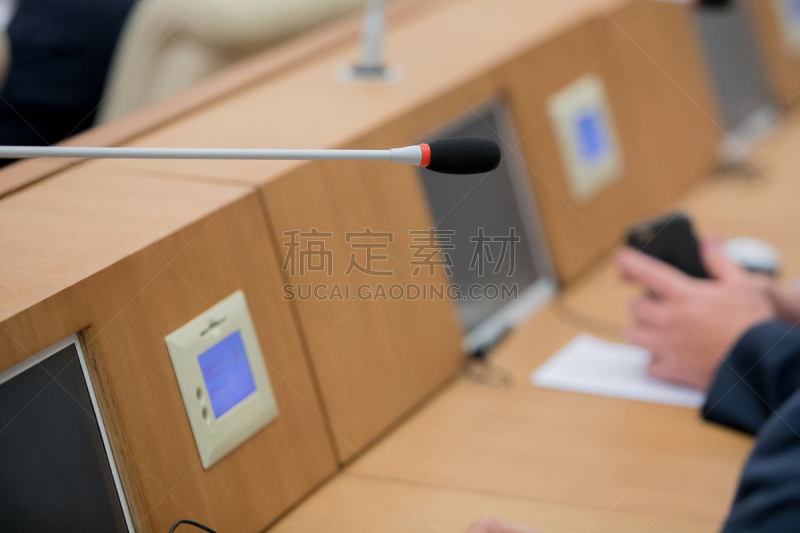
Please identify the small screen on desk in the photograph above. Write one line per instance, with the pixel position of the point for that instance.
(485, 238)
(55, 474)
(226, 373)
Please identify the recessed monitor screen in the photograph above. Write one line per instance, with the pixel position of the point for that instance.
(490, 240)
(227, 373)
(54, 471)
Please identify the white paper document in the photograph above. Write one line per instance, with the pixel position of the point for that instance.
(594, 366)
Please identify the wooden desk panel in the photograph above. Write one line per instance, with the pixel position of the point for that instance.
(131, 304)
(678, 123)
(56, 235)
(661, 104)
(375, 358)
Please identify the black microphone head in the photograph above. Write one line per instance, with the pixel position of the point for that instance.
(464, 155)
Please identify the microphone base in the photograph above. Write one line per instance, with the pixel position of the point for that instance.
(369, 74)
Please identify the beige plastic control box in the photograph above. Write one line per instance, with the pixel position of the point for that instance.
(222, 378)
(587, 139)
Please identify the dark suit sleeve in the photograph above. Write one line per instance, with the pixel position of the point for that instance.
(768, 498)
(756, 378)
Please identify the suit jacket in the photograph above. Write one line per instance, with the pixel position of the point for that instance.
(60, 54)
(757, 390)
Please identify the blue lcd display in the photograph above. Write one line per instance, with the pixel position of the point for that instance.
(591, 134)
(226, 373)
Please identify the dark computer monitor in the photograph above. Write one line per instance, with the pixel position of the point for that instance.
(57, 472)
(481, 214)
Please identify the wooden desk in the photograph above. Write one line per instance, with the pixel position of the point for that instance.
(369, 369)
(131, 258)
(563, 461)
(557, 460)
(80, 260)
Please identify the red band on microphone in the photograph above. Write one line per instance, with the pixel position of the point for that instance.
(426, 155)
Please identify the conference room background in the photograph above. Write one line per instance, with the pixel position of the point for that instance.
(380, 290)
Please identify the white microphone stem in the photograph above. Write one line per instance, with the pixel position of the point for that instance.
(71, 152)
(372, 35)
(409, 154)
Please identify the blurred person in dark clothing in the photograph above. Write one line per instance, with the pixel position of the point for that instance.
(60, 55)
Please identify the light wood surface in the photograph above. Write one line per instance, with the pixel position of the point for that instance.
(377, 358)
(366, 503)
(183, 263)
(560, 448)
(58, 234)
(559, 461)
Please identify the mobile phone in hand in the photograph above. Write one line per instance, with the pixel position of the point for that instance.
(672, 240)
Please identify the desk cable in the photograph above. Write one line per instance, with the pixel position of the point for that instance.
(198, 525)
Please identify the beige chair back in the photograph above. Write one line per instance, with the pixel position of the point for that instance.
(168, 45)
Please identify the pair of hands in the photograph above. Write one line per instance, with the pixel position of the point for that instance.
(690, 324)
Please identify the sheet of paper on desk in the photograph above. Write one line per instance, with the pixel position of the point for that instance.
(594, 366)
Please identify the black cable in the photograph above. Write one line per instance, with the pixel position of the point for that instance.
(480, 371)
(482, 351)
(198, 525)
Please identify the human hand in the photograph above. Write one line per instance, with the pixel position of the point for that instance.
(490, 524)
(785, 298)
(690, 324)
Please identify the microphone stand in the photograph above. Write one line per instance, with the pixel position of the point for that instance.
(371, 67)
(372, 29)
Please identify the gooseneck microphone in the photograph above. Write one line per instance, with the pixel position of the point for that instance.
(464, 155)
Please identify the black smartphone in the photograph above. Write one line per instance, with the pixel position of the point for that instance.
(672, 240)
